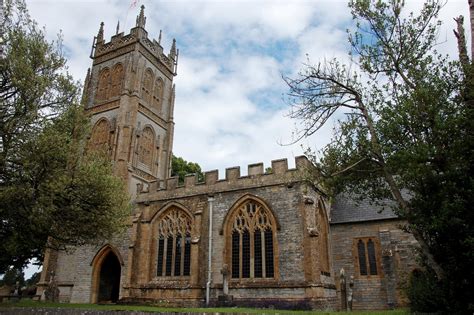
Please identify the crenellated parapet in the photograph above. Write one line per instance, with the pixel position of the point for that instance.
(256, 177)
(138, 35)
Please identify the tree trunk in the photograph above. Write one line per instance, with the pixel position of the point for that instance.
(396, 193)
(471, 13)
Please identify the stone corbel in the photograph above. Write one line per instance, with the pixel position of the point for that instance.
(313, 232)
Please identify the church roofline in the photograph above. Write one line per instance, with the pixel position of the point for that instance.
(281, 174)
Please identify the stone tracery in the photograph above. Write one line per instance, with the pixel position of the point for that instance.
(146, 147)
(252, 242)
(174, 243)
(100, 136)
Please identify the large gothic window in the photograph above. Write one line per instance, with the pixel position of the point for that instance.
(103, 85)
(174, 244)
(252, 244)
(146, 147)
(158, 94)
(116, 80)
(147, 86)
(100, 136)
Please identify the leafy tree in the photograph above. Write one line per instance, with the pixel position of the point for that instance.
(51, 194)
(180, 167)
(12, 276)
(405, 132)
(33, 280)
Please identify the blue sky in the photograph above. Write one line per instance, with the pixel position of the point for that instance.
(229, 107)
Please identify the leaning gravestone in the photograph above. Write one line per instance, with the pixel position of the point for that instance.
(52, 292)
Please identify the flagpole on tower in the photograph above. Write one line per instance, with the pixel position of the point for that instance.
(133, 5)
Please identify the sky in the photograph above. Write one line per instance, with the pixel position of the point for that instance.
(230, 107)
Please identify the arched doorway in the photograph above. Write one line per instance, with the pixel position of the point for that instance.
(109, 279)
(106, 269)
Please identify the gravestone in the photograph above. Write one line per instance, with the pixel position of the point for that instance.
(52, 292)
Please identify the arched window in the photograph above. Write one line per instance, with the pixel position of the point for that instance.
(147, 86)
(158, 94)
(103, 85)
(252, 241)
(146, 146)
(116, 80)
(367, 257)
(174, 244)
(100, 136)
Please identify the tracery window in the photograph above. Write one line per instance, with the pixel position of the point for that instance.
(103, 85)
(252, 242)
(147, 86)
(100, 136)
(366, 257)
(158, 94)
(116, 80)
(174, 244)
(146, 146)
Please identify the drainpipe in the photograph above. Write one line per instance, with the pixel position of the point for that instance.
(210, 200)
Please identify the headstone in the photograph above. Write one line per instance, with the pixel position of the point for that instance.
(342, 283)
(225, 299)
(349, 295)
(17, 288)
(52, 292)
(225, 281)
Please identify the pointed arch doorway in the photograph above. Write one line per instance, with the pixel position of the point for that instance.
(107, 268)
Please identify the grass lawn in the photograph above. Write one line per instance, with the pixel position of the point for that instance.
(29, 303)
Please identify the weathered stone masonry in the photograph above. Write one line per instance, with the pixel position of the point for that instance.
(276, 237)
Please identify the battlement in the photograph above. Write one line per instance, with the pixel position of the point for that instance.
(256, 176)
(138, 34)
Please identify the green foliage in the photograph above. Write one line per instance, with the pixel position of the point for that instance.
(181, 168)
(425, 292)
(33, 280)
(404, 133)
(51, 194)
(12, 276)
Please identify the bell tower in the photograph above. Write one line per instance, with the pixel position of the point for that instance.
(129, 93)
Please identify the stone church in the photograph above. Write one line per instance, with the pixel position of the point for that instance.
(269, 239)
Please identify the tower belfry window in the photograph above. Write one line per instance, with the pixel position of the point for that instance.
(146, 147)
(147, 86)
(158, 94)
(116, 80)
(103, 85)
(99, 140)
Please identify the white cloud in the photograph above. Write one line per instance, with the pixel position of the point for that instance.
(229, 109)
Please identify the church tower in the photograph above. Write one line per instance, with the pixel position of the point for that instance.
(129, 93)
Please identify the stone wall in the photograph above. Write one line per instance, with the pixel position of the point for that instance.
(395, 250)
(298, 276)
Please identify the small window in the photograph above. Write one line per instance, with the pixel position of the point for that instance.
(366, 257)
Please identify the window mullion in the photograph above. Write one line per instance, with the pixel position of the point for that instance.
(165, 255)
(173, 256)
(240, 254)
(262, 241)
(252, 256)
(183, 249)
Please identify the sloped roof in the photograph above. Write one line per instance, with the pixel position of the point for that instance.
(347, 208)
